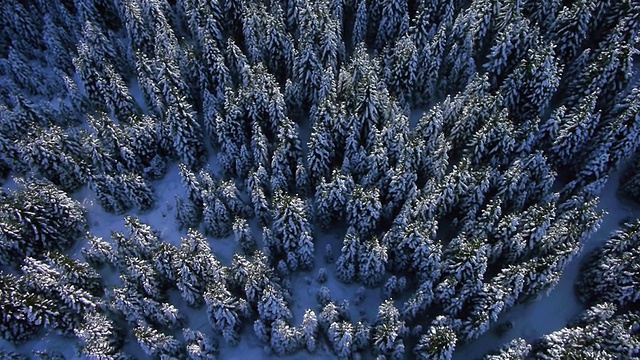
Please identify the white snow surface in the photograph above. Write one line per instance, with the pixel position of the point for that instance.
(161, 218)
(532, 320)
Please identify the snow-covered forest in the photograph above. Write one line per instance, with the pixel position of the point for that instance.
(352, 179)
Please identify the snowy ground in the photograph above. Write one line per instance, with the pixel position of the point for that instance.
(533, 320)
(530, 321)
(161, 219)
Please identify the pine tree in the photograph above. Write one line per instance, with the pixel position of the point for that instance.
(231, 196)
(603, 336)
(120, 193)
(460, 65)
(309, 330)
(420, 301)
(75, 273)
(402, 69)
(571, 28)
(292, 228)
(186, 214)
(331, 46)
(99, 252)
(620, 134)
(362, 336)
(257, 189)
(57, 41)
(50, 153)
(23, 313)
(252, 276)
(388, 329)
(511, 44)
(328, 316)
(430, 56)
(136, 307)
(393, 23)
(363, 210)
(100, 338)
(372, 260)
(515, 349)
(138, 191)
(543, 13)
(55, 220)
(156, 344)
(361, 22)
(493, 144)
(225, 312)
(143, 241)
(307, 72)
(332, 197)
(272, 306)
(438, 343)
(572, 137)
(284, 338)
(164, 262)
(185, 133)
(141, 274)
(347, 263)
(199, 346)
(70, 300)
(243, 236)
(612, 271)
(217, 218)
(341, 338)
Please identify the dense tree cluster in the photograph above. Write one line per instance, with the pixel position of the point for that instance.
(456, 149)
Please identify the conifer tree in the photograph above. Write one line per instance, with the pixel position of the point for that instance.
(363, 210)
(517, 348)
(23, 313)
(225, 312)
(394, 22)
(605, 336)
(217, 218)
(99, 251)
(438, 342)
(347, 263)
(184, 132)
(164, 261)
(361, 22)
(341, 337)
(388, 329)
(611, 274)
(187, 215)
(155, 343)
(272, 306)
(372, 260)
(331, 198)
(100, 337)
(292, 228)
(55, 219)
(199, 346)
(402, 69)
(243, 236)
(257, 187)
(285, 339)
(572, 137)
(69, 300)
(309, 330)
(571, 28)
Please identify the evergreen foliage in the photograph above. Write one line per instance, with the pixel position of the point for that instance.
(36, 218)
(610, 274)
(455, 150)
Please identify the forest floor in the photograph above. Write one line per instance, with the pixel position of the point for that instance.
(552, 312)
(529, 321)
